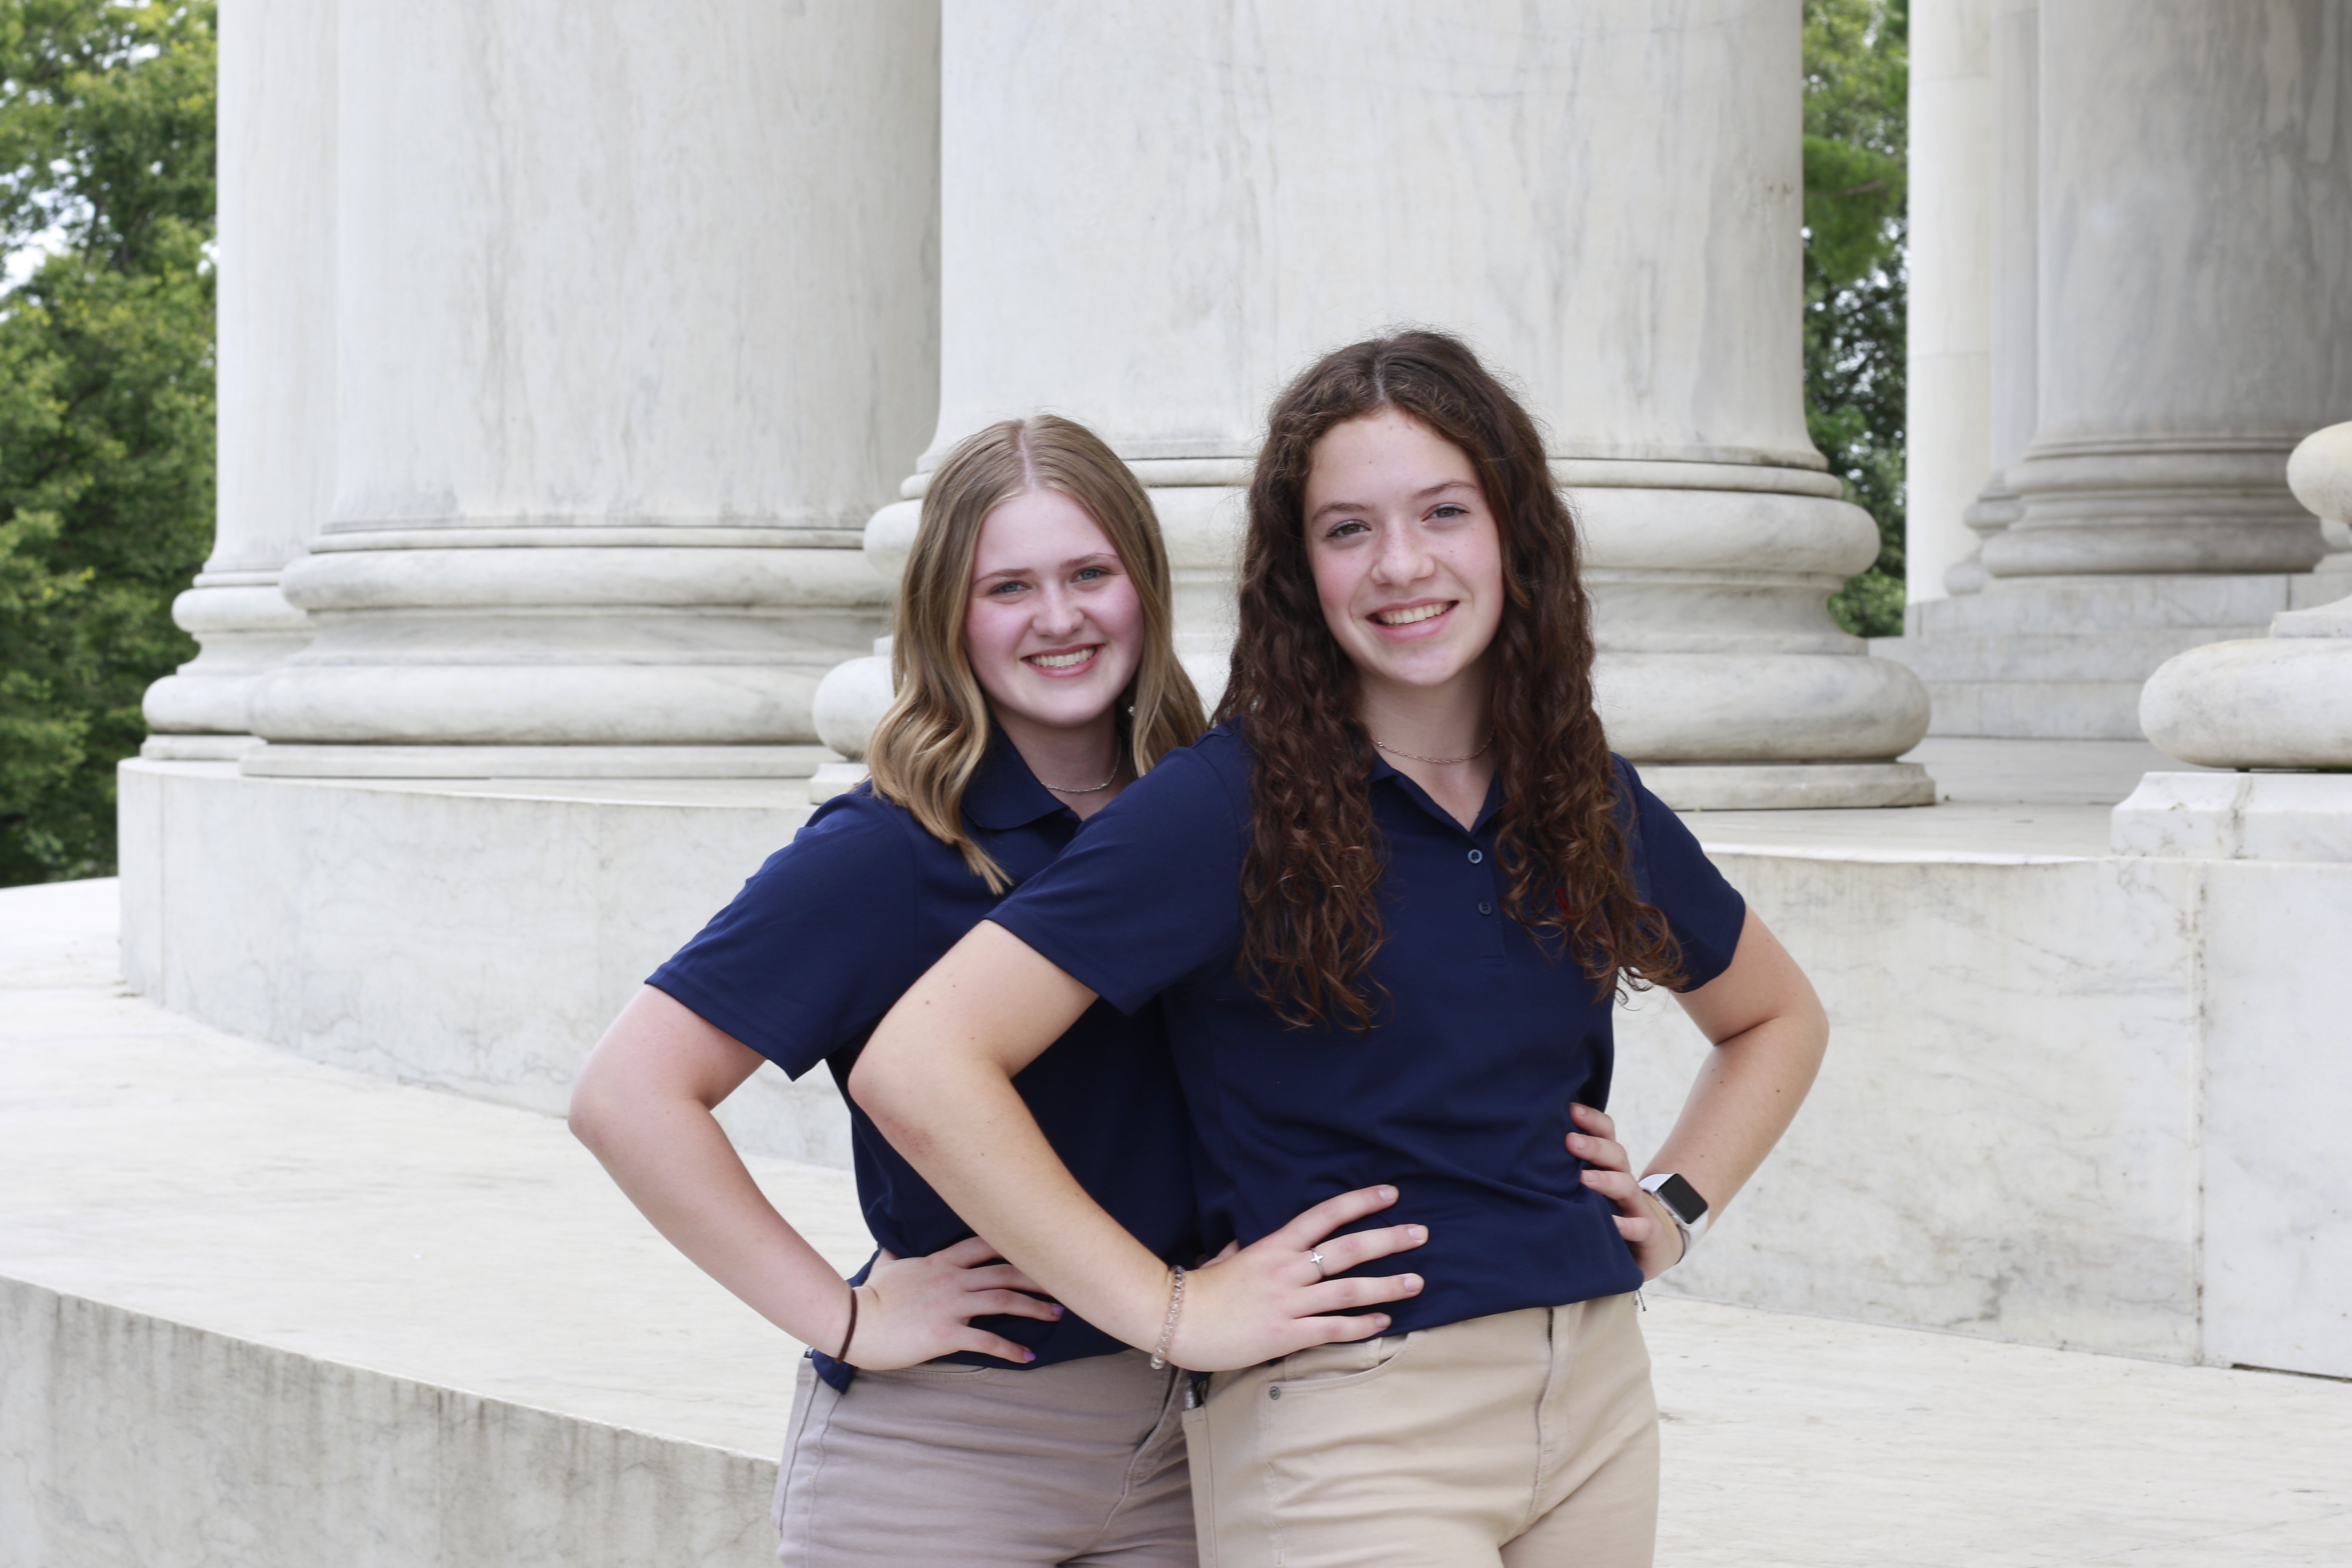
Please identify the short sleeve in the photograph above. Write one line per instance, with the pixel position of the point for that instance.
(1672, 873)
(1150, 891)
(815, 948)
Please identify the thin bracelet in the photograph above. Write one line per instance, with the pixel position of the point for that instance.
(1168, 1329)
(851, 1332)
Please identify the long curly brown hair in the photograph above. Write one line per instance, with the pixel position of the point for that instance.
(1310, 882)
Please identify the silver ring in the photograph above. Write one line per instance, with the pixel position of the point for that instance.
(1316, 1260)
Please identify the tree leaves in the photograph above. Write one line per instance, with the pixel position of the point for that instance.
(106, 400)
(1857, 81)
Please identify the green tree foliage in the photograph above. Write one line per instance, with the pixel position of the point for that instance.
(106, 399)
(1857, 80)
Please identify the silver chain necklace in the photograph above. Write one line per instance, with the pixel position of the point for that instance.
(1437, 762)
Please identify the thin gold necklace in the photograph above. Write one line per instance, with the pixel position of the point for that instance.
(1097, 789)
(1437, 762)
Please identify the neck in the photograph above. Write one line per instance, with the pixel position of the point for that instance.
(1076, 758)
(1449, 720)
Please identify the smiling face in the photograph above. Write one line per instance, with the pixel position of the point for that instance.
(1406, 554)
(1053, 624)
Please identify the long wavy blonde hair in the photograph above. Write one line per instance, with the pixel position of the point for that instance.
(930, 742)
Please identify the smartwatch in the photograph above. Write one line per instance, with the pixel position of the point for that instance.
(1683, 1204)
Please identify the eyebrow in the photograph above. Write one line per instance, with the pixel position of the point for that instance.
(1434, 491)
(1073, 564)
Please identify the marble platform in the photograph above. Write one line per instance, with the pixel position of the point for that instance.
(2075, 1098)
(262, 1311)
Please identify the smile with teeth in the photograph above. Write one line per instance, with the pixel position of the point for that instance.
(1070, 660)
(1419, 613)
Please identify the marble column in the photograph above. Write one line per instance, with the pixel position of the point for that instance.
(2187, 211)
(2014, 46)
(2282, 704)
(1954, 151)
(2196, 284)
(636, 322)
(1154, 215)
(275, 369)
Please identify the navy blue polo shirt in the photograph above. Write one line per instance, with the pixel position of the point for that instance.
(1459, 1097)
(834, 929)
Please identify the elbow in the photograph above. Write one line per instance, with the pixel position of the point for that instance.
(586, 1115)
(875, 1085)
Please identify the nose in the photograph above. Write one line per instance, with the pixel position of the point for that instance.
(1402, 559)
(1058, 612)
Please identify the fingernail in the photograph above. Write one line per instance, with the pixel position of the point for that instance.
(1387, 1192)
(1028, 1356)
(1059, 1309)
(1413, 1281)
(1416, 1232)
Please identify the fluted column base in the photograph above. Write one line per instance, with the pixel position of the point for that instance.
(243, 628)
(564, 649)
(1720, 672)
(2280, 701)
(2184, 505)
(1996, 506)
(2283, 702)
(261, 759)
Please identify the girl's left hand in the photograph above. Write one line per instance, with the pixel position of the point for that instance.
(1641, 1220)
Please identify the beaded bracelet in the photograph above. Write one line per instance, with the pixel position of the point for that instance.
(1168, 1329)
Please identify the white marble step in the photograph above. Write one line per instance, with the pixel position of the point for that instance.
(261, 1312)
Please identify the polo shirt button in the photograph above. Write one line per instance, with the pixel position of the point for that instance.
(1476, 856)
(1485, 908)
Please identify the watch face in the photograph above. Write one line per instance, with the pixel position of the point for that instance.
(1682, 1198)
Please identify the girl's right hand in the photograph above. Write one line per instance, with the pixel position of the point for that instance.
(1269, 1298)
(914, 1309)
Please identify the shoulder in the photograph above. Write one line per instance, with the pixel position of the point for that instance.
(1221, 758)
(853, 837)
(1208, 780)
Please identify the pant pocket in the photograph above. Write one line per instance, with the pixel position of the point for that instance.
(1326, 1367)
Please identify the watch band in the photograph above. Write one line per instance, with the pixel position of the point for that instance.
(1683, 1204)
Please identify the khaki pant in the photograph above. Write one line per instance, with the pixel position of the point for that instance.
(1080, 1463)
(1526, 1439)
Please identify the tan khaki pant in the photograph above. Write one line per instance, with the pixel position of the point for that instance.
(1527, 1439)
(1080, 1463)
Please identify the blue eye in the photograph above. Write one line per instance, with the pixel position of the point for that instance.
(1088, 573)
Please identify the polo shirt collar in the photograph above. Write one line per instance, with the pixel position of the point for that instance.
(1003, 793)
(1384, 769)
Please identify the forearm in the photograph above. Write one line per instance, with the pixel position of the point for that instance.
(937, 1077)
(676, 1164)
(643, 1106)
(1747, 1093)
(1769, 1033)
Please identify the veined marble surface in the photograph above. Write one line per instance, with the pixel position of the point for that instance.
(259, 1310)
(478, 935)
